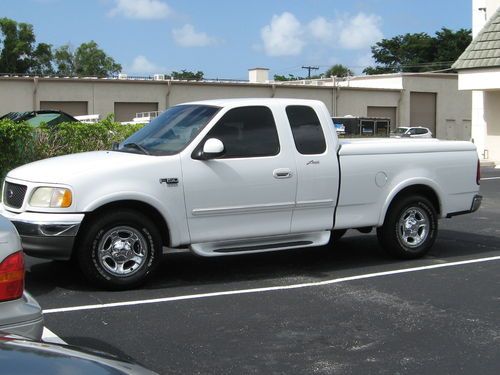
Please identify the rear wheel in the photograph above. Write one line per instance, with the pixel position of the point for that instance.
(410, 227)
(120, 250)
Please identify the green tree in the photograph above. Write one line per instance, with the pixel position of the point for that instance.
(290, 77)
(339, 70)
(42, 60)
(90, 60)
(64, 60)
(186, 74)
(87, 60)
(17, 43)
(419, 52)
(450, 45)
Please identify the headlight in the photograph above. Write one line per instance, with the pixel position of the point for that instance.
(51, 197)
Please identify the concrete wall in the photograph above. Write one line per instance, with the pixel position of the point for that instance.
(23, 94)
(17, 97)
(387, 81)
(482, 10)
(485, 104)
(453, 107)
(356, 103)
(492, 119)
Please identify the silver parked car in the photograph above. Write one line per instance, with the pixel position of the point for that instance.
(411, 132)
(21, 356)
(20, 313)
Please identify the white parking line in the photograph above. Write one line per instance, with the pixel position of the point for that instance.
(49, 336)
(490, 178)
(267, 289)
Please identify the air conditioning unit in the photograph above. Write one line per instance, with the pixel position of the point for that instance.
(122, 76)
(159, 77)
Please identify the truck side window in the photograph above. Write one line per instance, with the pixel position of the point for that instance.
(247, 132)
(306, 128)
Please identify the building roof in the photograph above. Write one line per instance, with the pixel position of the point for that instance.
(484, 51)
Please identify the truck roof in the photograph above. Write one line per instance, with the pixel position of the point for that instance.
(254, 101)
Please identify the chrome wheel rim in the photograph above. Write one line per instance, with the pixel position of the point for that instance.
(413, 227)
(122, 251)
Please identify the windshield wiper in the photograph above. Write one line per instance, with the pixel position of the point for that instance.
(137, 147)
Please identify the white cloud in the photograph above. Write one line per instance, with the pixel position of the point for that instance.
(142, 65)
(284, 36)
(365, 61)
(141, 9)
(322, 29)
(187, 36)
(360, 32)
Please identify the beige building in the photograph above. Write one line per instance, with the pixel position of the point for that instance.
(407, 99)
(479, 73)
(426, 99)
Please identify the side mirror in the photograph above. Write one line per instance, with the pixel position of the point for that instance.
(213, 148)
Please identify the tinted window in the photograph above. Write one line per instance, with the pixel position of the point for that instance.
(170, 132)
(247, 132)
(421, 131)
(306, 129)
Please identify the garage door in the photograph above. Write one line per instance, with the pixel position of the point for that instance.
(386, 112)
(423, 110)
(125, 111)
(73, 108)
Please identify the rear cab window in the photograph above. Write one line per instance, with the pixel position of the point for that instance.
(306, 129)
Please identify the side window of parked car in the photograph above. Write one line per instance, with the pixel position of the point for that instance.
(421, 131)
(247, 132)
(306, 128)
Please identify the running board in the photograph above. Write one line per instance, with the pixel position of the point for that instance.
(263, 247)
(259, 245)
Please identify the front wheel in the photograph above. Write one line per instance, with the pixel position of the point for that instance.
(410, 228)
(120, 250)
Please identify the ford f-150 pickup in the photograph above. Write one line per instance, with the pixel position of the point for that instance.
(236, 176)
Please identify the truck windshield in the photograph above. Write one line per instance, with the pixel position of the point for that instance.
(170, 132)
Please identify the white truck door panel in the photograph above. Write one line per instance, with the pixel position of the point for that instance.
(248, 192)
(317, 170)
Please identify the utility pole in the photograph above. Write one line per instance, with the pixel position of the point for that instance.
(309, 68)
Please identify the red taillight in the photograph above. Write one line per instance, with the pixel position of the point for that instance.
(478, 173)
(12, 277)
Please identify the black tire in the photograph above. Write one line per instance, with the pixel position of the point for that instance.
(421, 228)
(119, 250)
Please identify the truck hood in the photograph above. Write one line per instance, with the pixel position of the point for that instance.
(66, 169)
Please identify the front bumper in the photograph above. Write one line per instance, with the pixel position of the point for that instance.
(46, 235)
(22, 317)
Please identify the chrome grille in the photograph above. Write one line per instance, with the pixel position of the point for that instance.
(13, 194)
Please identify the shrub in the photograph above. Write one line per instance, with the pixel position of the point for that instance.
(16, 145)
(21, 143)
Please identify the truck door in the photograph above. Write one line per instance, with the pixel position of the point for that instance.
(247, 192)
(317, 171)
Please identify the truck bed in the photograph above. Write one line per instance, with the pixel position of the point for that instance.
(359, 146)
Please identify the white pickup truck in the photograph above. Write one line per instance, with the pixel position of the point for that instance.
(239, 176)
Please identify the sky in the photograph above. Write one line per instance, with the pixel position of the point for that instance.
(225, 38)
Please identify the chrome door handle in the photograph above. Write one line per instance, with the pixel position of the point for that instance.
(282, 173)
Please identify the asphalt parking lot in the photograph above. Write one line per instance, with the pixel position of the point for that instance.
(346, 310)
